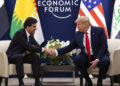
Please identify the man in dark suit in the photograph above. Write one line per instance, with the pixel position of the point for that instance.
(96, 55)
(23, 48)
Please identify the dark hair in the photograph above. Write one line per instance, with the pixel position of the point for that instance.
(29, 21)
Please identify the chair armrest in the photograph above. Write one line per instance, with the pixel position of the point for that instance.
(3, 64)
(114, 68)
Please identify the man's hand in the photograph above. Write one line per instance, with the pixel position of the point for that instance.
(93, 64)
(50, 51)
(27, 52)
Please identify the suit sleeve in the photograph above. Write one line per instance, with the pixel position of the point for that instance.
(20, 38)
(68, 48)
(103, 45)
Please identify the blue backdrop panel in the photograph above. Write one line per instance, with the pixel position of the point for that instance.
(57, 27)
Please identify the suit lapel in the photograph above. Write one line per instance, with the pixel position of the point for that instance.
(92, 37)
(25, 35)
(81, 41)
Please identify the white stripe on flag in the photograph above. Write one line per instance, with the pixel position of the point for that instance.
(102, 18)
(86, 12)
(38, 33)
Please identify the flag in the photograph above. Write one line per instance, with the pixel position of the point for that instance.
(4, 23)
(94, 10)
(22, 10)
(116, 20)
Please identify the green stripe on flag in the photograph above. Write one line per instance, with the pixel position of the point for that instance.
(15, 26)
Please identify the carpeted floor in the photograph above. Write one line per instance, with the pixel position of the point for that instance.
(54, 82)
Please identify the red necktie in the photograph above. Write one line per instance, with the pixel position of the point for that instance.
(87, 45)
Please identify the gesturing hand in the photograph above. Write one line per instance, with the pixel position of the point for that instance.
(93, 64)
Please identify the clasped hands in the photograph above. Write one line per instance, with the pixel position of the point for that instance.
(50, 51)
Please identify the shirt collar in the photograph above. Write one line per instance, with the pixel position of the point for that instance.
(27, 33)
(89, 30)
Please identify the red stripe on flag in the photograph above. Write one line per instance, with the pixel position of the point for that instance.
(98, 21)
(101, 9)
(81, 13)
(35, 5)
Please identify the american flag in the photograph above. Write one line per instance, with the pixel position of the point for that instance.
(94, 10)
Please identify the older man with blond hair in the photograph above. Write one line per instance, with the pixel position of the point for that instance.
(94, 49)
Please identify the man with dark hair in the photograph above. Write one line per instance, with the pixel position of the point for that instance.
(23, 48)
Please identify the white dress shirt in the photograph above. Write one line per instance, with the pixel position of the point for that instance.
(27, 35)
(89, 36)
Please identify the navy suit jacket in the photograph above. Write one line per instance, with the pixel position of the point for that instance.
(98, 43)
(19, 44)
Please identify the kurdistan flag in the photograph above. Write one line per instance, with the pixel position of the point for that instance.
(22, 10)
(116, 19)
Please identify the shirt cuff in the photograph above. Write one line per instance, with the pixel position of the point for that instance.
(97, 60)
(43, 49)
(56, 52)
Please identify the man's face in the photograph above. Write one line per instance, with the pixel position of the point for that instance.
(32, 28)
(82, 27)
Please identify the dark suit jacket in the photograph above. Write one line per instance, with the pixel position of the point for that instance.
(98, 43)
(19, 44)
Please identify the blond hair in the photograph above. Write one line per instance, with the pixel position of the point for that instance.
(83, 20)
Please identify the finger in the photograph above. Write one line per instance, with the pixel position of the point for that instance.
(52, 52)
(91, 67)
(91, 62)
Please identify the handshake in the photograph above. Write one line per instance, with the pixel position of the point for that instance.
(50, 51)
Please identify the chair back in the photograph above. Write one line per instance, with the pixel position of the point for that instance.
(113, 44)
(4, 44)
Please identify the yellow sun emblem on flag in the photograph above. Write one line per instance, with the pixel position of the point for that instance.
(24, 9)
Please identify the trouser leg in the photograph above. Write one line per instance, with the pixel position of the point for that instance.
(0, 80)
(18, 60)
(35, 61)
(82, 63)
(103, 67)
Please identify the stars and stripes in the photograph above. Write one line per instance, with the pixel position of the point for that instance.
(94, 10)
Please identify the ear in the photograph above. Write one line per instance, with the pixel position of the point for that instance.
(28, 27)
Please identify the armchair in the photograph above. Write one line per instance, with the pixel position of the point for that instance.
(114, 69)
(7, 69)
